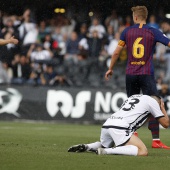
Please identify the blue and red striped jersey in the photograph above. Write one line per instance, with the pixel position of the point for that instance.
(140, 41)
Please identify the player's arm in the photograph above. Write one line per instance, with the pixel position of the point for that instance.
(114, 58)
(160, 37)
(164, 121)
(116, 54)
(11, 40)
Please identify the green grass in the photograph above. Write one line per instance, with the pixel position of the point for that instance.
(43, 146)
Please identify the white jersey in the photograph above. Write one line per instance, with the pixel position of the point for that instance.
(134, 112)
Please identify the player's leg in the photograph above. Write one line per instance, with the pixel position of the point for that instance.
(85, 147)
(93, 146)
(135, 141)
(129, 150)
(131, 145)
(105, 141)
(148, 86)
(132, 85)
(77, 148)
(134, 147)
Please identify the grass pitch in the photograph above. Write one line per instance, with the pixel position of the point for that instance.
(43, 146)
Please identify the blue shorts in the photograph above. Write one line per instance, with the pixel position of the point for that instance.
(137, 83)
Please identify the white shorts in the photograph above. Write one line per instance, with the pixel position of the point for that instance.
(113, 135)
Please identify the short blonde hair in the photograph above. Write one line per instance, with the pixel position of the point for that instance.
(140, 11)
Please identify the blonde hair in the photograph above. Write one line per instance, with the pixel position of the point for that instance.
(140, 11)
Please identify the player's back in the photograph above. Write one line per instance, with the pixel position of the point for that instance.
(134, 112)
(140, 42)
(134, 109)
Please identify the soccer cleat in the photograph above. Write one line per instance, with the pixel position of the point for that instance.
(77, 148)
(101, 151)
(135, 133)
(159, 145)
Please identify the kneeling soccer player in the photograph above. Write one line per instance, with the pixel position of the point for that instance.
(118, 130)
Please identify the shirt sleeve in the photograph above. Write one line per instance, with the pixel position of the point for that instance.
(122, 38)
(160, 37)
(154, 108)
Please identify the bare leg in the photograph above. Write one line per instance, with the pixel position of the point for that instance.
(142, 150)
(134, 147)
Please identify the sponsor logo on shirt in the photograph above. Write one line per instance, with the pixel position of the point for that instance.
(113, 117)
(138, 63)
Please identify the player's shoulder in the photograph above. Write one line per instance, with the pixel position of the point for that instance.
(154, 30)
(146, 96)
(126, 29)
(150, 100)
(145, 26)
(135, 26)
(143, 99)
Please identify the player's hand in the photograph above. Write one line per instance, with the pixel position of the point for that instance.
(108, 74)
(13, 40)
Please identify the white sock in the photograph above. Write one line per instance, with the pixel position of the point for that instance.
(123, 150)
(94, 145)
(156, 139)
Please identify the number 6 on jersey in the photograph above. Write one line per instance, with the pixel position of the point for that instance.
(138, 49)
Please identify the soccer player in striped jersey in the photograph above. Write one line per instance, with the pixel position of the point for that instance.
(119, 128)
(140, 40)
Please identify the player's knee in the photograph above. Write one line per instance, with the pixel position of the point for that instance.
(143, 152)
